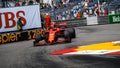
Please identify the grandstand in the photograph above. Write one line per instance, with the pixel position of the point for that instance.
(78, 5)
(115, 6)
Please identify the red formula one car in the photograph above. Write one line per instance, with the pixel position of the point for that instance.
(54, 33)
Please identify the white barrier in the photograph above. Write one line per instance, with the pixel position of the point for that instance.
(92, 20)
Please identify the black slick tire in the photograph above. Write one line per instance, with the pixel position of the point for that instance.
(67, 36)
(72, 32)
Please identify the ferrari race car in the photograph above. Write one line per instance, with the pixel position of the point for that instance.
(55, 34)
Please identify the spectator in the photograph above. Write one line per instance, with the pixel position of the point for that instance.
(63, 15)
(63, 3)
(78, 15)
(67, 16)
(104, 12)
(47, 20)
(90, 11)
(63, 18)
(3, 5)
(56, 2)
(52, 16)
(59, 17)
(97, 12)
(24, 3)
(30, 2)
(19, 24)
(74, 14)
(17, 4)
(71, 1)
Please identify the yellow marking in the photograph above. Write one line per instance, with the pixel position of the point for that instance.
(100, 46)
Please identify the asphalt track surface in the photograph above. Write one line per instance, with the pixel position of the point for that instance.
(25, 55)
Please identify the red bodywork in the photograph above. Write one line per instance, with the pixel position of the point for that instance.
(52, 32)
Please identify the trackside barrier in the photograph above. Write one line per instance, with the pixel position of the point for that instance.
(92, 20)
(103, 20)
(100, 20)
(114, 18)
(19, 36)
(74, 22)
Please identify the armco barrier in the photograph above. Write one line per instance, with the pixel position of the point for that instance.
(74, 22)
(103, 20)
(18, 36)
(83, 21)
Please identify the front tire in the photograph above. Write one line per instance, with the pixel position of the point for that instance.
(38, 37)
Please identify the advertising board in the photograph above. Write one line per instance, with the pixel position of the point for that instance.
(114, 18)
(19, 36)
(30, 17)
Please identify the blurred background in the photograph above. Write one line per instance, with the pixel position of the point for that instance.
(69, 9)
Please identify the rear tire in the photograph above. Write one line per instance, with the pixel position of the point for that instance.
(72, 32)
(67, 36)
